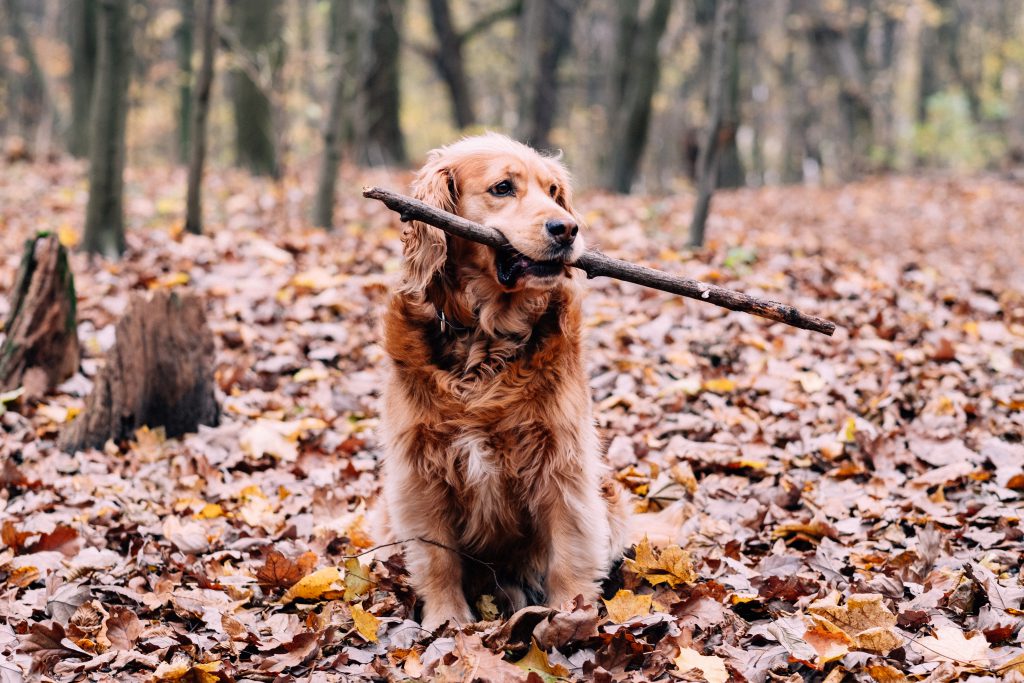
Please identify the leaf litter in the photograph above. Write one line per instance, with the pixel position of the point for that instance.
(850, 507)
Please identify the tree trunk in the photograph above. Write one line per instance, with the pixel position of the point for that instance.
(104, 218)
(545, 36)
(159, 373)
(183, 36)
(200, 109)
(42, 107)
(83, 72)
(450, 65)
(726, 23)
(635, 78)
(335, 123)
(42, 334)
(730, 166)
(381, 137)
(256, 27)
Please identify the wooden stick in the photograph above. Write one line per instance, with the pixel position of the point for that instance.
(594, 264)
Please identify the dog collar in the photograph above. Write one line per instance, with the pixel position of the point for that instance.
(446, 323)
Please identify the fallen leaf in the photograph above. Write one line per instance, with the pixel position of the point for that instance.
(366, 623)
(671, 565)
(327, 583)
(950, 645)
(711, 667)
(536, 661)
(625, 605)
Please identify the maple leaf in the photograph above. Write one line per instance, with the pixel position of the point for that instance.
(711, 667)
(280, 572)
(672, 565)
(626, 605)
(950, 645)
(864, 617)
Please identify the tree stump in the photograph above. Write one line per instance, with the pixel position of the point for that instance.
(41, 347)
(158, 373)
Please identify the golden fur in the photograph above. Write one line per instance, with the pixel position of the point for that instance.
(491, 456)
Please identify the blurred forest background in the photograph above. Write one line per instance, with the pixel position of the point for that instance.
(804, 91)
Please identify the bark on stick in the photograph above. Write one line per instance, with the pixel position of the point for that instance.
(594, 264)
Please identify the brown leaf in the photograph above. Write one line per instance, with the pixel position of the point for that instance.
(13, 538)
(62, 539)
(279, 572)
(121, 629)
(671, 565)
(47, 643)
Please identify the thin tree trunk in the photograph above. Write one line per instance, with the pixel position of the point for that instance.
(104, 219)
(256, 26)
(636, 78)
(83, 72)
(41, 91)
(545, 36)
(450, 65)
(730, 166)
(726, 21)
(200, 109)
(184, 39)
(382, 139)
(335, 123)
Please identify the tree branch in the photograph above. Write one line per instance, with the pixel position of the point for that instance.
(594, 264)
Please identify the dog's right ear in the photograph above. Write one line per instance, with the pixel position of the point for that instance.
(426, 247)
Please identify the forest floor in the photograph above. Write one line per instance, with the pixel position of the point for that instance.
(853, 504)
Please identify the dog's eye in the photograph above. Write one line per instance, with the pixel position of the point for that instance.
(503, 189)
(553, 191)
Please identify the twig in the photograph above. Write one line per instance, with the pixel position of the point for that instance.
(594, 264)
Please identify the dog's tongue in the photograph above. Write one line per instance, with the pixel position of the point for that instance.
(510, 269)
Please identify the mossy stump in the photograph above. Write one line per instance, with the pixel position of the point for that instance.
(159, 373)
(40, 349)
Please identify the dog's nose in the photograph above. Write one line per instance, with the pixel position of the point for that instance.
(561, 230)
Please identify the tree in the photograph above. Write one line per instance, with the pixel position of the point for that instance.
(183, 36)
(104, 218)
(39, 95)
(342, 44)
(634, 78)
(380, 130)
(448, 61)
(255, 39)
(545, 36)
(82, 41)
(200, 108)
(726, 25)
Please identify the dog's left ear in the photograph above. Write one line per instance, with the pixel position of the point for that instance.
(426, 247)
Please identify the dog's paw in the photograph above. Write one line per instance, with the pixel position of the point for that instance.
(454, 615)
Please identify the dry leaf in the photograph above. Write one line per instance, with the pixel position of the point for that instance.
(671, 565)
(711, 667)
(626, 605)
(366, 623)
(950, 645)
(323, 584)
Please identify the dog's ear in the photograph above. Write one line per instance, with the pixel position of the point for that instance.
(426, 247)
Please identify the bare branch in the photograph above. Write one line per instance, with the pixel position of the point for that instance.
(595, 264)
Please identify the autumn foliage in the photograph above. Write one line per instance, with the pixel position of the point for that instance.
(851, 505)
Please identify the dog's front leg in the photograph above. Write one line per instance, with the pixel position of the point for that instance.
(577, 550)
(435, 568)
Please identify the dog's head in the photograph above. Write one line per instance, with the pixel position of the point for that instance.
(497, 182)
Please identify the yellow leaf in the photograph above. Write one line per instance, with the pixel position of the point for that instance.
(850, 430)
(68, 236)
(672, 565)
(357, 581)
(626, 605)
(537, 660)
(184, 671)
(719, 385)
(711, 667)
(324, 583)
(366, 623)
(487, 608)
(310, 375)
(170, 281)
(210, 511)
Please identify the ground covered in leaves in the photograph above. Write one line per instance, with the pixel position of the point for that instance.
(852, 504)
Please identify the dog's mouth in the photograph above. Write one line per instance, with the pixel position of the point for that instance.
(512, 265)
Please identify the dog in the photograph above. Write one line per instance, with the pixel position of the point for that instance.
(492, 472)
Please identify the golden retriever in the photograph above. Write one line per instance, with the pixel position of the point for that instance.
(491, 459)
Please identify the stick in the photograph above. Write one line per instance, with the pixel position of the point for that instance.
(594, 264)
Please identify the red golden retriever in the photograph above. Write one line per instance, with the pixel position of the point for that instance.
(491, 460)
